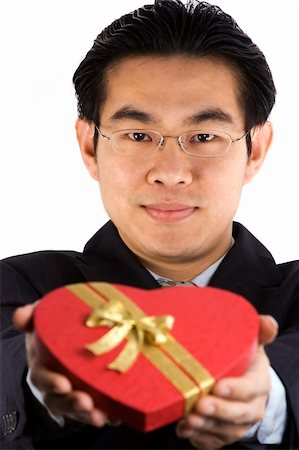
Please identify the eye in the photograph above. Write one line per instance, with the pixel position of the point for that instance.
(139, 137)
(202, 137)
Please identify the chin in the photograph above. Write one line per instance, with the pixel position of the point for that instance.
(170, 251)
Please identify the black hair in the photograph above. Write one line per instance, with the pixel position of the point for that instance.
(169, 28)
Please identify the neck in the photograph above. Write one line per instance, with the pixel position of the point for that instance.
(180, 260)
(177, 270)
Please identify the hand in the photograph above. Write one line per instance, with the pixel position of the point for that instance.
(58, 393)
(235, 404)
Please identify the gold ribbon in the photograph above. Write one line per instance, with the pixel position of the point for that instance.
(146, 334)
(148, 329)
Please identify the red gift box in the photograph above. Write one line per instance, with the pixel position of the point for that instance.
(214, 335)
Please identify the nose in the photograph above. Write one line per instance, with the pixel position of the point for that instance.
(171, 166)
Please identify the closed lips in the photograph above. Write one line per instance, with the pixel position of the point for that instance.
(169, 212)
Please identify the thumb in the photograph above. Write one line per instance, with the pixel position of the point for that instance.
(23, 317)
(268, 329)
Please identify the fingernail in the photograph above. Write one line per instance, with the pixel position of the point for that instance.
(224, 391)
(198, 422)
(56, 390)
(182, 430)
(209, 409)
(98, 418)
(274, 322)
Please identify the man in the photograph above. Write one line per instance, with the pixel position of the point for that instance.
(173, 103)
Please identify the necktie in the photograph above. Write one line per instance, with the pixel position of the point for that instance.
(164, 282)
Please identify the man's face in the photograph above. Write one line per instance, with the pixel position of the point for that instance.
(172, 209)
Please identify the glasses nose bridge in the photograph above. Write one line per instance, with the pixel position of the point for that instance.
(165, 138)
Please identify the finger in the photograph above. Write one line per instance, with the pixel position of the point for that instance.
(96, 418)
(217, 426)
(71, 403)
(212, 440)
(48, 381)
(199, 439)
(246, 388)
(207, 441)
(23, 317)
(268, 329)
(238, 413)
(223, 429)
(185, 428)
(78, 406)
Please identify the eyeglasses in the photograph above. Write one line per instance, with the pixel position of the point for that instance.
(202, 143)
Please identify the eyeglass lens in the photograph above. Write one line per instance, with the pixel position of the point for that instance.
(198, 143)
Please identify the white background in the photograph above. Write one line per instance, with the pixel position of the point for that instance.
(48, 200)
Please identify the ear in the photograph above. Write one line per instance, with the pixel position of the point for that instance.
(261, 138)
(85, 133)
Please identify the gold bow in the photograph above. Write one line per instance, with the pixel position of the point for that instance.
(147, 330)
(173, 360)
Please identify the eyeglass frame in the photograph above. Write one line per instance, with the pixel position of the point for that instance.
(163, 139)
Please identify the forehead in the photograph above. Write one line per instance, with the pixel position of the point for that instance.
(172, 86)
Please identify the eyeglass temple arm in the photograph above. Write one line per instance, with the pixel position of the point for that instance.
(242, 137)
(101, 134)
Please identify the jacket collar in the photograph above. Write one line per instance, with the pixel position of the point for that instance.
(248, 263)
(109, 259)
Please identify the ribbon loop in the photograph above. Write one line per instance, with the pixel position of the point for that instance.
(113, 311)
(110, 340)
(138, 332)
(173, 360)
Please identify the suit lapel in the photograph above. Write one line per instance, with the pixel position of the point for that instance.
(248, 269)
(106, 258)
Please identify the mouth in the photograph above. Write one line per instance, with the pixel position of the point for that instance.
(169, 213)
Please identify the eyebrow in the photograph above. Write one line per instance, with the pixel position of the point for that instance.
(133, 113)
(210, 113)
(206, 114)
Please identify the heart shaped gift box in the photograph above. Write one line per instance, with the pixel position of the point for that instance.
(214, 335)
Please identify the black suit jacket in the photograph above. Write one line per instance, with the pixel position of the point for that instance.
(248, 269)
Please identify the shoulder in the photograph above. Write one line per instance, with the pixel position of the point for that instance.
(250, 269)
(37, 258)
(289, 272)
(25, 278)
(249, 247)
(289, 269)
(32, 266)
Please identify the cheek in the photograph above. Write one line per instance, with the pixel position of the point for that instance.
(225, 180)
(118, 178)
